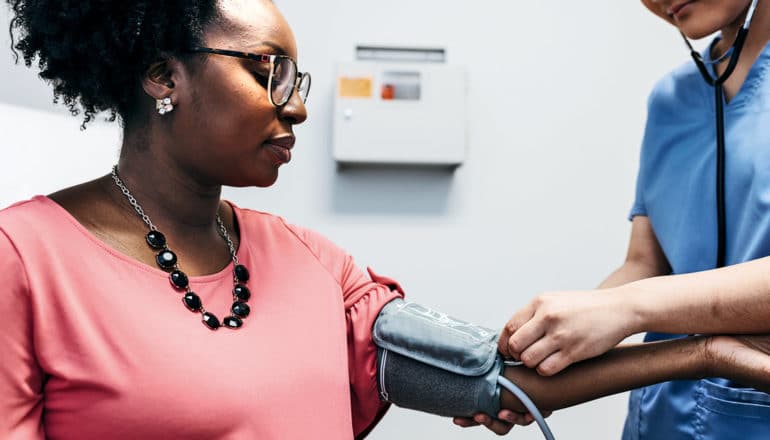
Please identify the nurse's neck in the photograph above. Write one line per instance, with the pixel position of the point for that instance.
(758, 38)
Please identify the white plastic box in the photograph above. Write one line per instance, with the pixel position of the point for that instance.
(411, 113)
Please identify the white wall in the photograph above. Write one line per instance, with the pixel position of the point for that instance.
(557, 105)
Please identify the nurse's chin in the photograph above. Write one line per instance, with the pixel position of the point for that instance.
(695, 25)
(696, 31)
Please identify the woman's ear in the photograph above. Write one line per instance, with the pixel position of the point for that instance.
(161, 78)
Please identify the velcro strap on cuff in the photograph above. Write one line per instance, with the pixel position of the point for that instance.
(435, 338)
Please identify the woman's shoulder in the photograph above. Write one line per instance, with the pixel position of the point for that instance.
(264, 224)
(27, 213)
(20, 206)
(259, 222)
(28, 224)
(70, 205)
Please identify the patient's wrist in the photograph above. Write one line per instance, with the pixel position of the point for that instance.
(707, 364)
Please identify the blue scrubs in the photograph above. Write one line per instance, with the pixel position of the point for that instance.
(676, 191)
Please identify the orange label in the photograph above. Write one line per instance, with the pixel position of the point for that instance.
(355, 87)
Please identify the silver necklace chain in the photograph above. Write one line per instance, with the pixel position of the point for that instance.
(167, 260)
(138, 208)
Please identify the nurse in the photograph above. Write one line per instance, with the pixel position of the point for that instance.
(668, 285)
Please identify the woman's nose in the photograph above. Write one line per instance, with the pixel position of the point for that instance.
(294, 111)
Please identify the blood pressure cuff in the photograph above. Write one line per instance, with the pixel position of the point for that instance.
(434, 363)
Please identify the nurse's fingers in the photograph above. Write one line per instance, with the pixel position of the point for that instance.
(538, 352)
(525, 336)
(553, 364)
(513, 324)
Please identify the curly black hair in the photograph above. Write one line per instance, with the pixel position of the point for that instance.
(95, 52)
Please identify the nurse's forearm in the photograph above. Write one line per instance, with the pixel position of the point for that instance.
(629, 272)
(644, 259)
(730, 300)
(621, 369)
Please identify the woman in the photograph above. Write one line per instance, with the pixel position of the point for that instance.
(674, 232)
(96, 340)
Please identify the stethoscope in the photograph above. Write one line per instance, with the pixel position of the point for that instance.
(718, 83)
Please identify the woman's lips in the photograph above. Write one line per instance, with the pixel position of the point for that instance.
(281, 153)
(281, 147)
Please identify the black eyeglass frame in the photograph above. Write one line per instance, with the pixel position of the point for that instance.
(266, 58)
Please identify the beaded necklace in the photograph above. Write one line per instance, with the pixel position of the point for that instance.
(166, 259)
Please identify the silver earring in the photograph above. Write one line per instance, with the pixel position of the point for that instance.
(164, 106)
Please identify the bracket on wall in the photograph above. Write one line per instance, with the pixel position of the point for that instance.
(400, 54)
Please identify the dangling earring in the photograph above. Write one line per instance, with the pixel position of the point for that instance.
(164, 106)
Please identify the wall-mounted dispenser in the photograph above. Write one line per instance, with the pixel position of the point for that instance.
(400, 106)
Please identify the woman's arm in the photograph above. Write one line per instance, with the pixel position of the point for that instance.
(621, 369)
(744, 359)
(625, 368)
(21, 378)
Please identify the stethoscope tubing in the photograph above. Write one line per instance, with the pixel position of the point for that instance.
(719, 97)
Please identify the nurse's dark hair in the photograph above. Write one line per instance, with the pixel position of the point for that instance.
(95, 52)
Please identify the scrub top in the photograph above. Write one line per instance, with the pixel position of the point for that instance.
(676, 191)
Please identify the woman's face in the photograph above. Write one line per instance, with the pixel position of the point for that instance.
(699, 18)
(224, 129)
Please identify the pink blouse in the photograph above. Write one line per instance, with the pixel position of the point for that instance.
(96, 345)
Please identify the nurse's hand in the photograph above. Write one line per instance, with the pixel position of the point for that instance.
(557, 329)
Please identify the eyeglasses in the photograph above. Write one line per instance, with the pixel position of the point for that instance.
(284, 77)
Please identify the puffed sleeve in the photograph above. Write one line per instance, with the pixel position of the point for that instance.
(21, 379)
(364, 296)
(363, 302)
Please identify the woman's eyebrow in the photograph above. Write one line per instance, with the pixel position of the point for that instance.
(274, 46)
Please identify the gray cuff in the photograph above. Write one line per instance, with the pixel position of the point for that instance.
(431, 362)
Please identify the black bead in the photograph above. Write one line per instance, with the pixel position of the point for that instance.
(242, 292)
(166, 259)
(179, 279)
(210, 321)
(192, 301)
(156, 240)
(241, 273)
(232, 322)
(241, 309)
